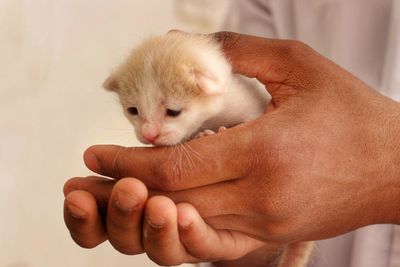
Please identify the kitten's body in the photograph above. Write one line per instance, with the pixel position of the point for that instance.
(172, 87)
(239, 104)
(188, 74)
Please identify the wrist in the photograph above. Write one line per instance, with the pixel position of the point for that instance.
(394, 165)
(386, 178)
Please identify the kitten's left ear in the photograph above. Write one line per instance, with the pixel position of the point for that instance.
(209, 83)
(111, 84)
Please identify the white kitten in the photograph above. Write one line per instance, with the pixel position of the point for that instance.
(173, 86)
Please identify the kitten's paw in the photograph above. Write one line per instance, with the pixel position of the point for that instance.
(205, 133)
(210, 132)
(221, 129)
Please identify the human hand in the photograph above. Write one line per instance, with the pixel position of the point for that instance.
(329, 183)
(97, 209)
(319, 163)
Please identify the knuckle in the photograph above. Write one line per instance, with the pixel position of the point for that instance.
(272, 209)
(297, 45)
(294, 50)
(293, 47)
(227, 39)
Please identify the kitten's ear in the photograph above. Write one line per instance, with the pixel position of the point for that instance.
(111, 84)
(209, 83)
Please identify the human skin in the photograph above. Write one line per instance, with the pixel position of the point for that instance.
(321, 162)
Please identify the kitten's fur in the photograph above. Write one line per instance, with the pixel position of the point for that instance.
(186, 73)
(174, 86)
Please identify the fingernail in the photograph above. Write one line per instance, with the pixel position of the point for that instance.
(156, 222)
(75, 211)
(125, 201)
(91, 161)
(175, 31)
(185, 224)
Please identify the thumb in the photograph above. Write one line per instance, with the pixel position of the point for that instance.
(282, 65)
(202, 161)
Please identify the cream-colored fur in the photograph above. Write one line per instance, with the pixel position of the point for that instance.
(188, 73)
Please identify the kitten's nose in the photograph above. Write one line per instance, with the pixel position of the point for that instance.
(150, 137)
(150, 132)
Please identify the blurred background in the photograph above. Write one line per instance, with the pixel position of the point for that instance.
(54, 57)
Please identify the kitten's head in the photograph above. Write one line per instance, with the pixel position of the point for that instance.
(170, 85)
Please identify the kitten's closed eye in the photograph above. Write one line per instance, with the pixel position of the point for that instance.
(173, 113)
(132, 110)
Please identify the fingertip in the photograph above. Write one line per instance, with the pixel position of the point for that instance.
(159, 211)
(194, 233)
(161, 236)
(78, 204)
(102, 159)
(75, 211)
(93, 155)
(124, 216)
(130, 194)
(90, 159)
(82, 219)
(160, 202)
(133, 186)
(187, 216)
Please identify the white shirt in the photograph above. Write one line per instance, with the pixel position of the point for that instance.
(363, 36)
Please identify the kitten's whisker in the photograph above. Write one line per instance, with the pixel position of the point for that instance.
(189, 155)
(171, 157)
(192, 166)
(200, 156)
(178, 164)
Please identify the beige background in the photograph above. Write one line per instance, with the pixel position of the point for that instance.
(54, 56)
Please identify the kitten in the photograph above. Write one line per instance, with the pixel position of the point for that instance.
(175, 86)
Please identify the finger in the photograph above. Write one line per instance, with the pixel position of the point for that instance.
(124, 216)
(240, 48)
(100, 188)
(222, 197)
(276, 63)
(262, 53)
(82, 219)
(161, 237)
(195, 163)
(253, 226)
(204, 243)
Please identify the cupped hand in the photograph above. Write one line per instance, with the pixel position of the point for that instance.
(98, 209)
(319, 163)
